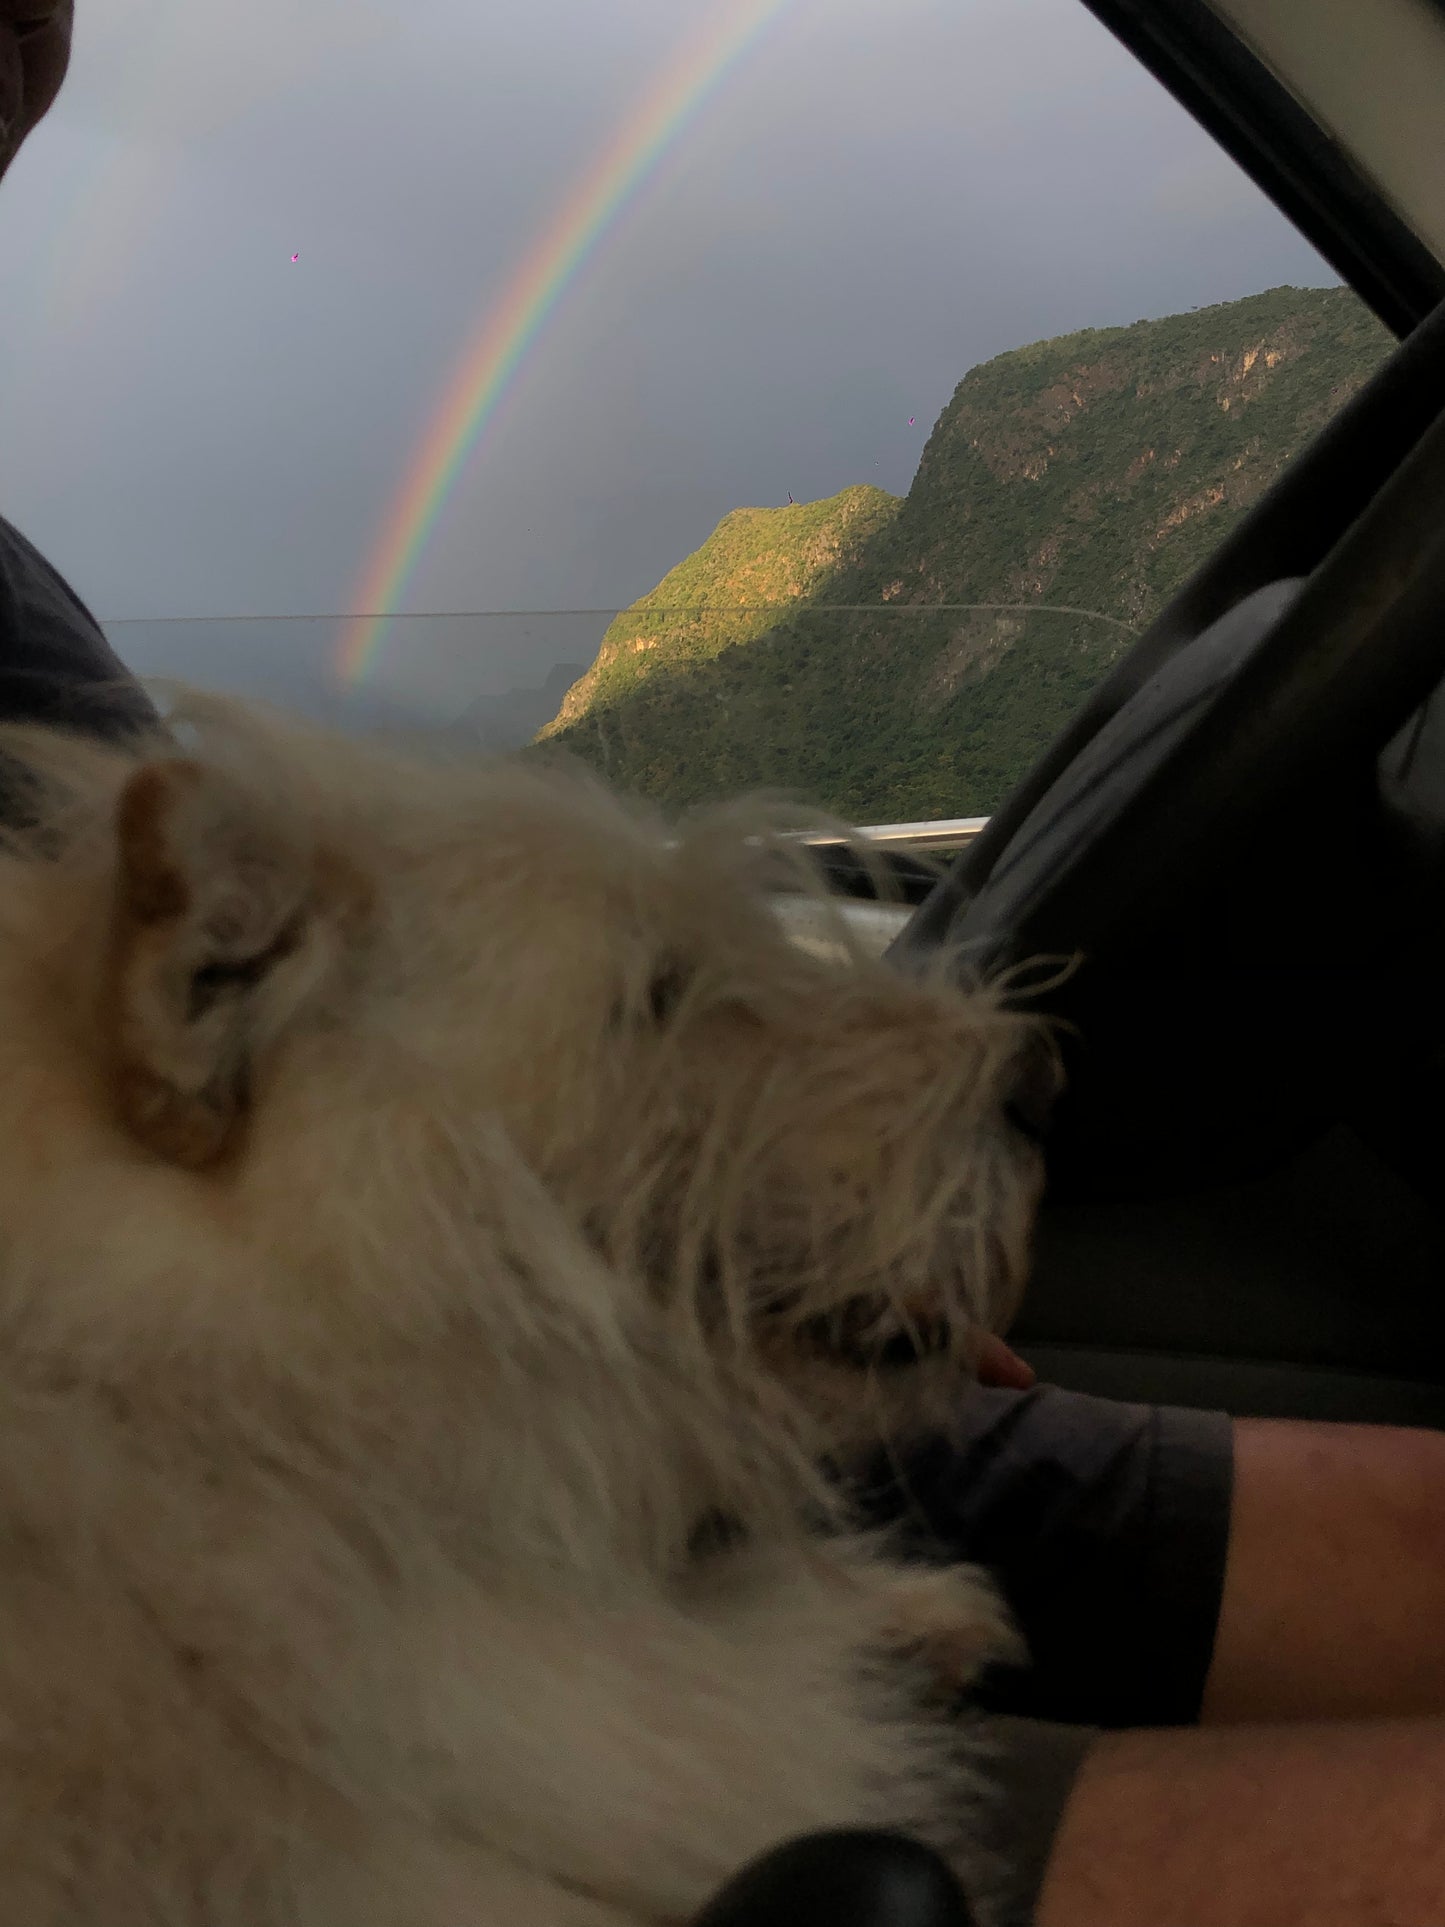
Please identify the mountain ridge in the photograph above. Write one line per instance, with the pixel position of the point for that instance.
(1084, 478)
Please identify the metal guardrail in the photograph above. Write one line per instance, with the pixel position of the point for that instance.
(813, 925)
(944, 833)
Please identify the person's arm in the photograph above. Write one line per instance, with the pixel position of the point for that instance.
(37, 56)
(56, 665)
(1334, 1586)
(1306, 1825)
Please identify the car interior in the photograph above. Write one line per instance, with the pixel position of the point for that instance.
(1234, 850)
(1223, 885)
(1228, 874)
(1239, 839)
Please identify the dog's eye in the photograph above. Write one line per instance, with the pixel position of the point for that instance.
(665, 992)
(213, 980)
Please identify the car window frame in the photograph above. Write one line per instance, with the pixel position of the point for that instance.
(1308, 175)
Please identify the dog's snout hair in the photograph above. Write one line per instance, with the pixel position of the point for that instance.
(425, 1185)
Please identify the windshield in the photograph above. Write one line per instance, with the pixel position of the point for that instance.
(808, 394)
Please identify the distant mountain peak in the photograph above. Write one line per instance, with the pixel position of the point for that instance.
(512, 719)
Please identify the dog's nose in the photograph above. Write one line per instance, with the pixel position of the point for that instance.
(1033, 1092)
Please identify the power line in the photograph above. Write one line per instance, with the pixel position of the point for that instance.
(650, 609)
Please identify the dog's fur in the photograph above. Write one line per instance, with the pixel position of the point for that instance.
(420, 1188)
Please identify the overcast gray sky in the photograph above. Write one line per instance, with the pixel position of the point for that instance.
(883, 193)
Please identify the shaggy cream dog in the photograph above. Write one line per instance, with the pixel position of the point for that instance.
(422, 1190)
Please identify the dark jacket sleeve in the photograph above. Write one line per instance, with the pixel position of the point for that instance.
(55, 663)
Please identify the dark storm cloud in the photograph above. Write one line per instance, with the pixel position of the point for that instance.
(887, 192)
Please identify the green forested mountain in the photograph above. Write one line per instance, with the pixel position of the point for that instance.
(1077, 481)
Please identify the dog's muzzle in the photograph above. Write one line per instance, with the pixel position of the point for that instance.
(872, 1332)
(1033, 1093)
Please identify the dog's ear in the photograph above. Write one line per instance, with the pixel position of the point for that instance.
(216, 901)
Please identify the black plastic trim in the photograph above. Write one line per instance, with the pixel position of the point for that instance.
(1310, 178)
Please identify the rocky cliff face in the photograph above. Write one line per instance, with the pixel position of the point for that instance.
(1069, 487)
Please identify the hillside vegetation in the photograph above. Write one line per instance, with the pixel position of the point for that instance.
(1078, 482)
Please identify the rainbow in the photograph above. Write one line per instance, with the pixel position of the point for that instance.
(511, 329)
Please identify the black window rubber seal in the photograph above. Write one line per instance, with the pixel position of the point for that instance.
(1310, 178)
